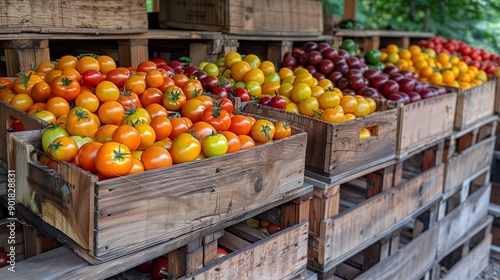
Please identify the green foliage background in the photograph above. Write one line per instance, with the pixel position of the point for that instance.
(476, 22)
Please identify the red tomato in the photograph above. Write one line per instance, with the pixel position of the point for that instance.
(151, 96)
(162, 127)
(226, 104)
(217, 117)
(86, 156)
(240, 125)
(113, 159)
(118, 76)
(65, 87)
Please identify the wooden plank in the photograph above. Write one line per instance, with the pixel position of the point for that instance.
(350, 9)
(351, 229)
(423, 122)
(469, 162)
(24, 54)
(335, 149)
(108, 16)
(462, 219)
(281, 256)
(323, 206)
(497, 96)
(408, 262)
(474, 104)
(132, 52)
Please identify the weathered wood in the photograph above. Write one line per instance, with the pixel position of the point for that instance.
(464, 165)
(53, 16)
(462, 220)
(132, 52)
(424, 122)
(473, 263)
(324, 204)
(497, 96)
(281, 256)
(474, 104)
(350, 230)
(408, 262)
(129, 216)
(336, 149)
(245, 17)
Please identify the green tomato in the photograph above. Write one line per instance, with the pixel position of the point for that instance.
(80, 141)
(51, 133)
(348, 45)
(214, 144)
(372, 56)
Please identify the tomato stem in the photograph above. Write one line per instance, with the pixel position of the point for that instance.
(81, 114)
(66, 81)
(118, 155)
(24, 79)
(265, 129)
(87, 54)
(55, 146)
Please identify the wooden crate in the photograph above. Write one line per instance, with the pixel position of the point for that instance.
(9, 114)
(110, 218)
(468, 152)
(422, 123)
(245, 17)
(497, 96)
(469, 255)
(474, 104)
(81, 16)
(406, 253)
(335, 149)
(388, 198)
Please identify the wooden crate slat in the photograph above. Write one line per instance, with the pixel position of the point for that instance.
(473, 263)
(474, 104)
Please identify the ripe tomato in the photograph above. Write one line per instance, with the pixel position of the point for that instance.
(65, 87)
(332, 116)
(240, 125)
(135, 115)
(107, 91)
(167, 143)
(36, 107)
(106, 64)
(24, 83)
(86, 156)
(185, 148)
(147, 135)
(81, 122)
(207, 100)
(45, 115)
(217, 117)
(174, 98)
(239, 69)
(180, 80)
(41, 91)
(51, 133)
(246, 141)
(226, 104)
(113, 159)
(263, 131)
(192, 88)
(87, 63)
(309, 106)
(233, 142)
(111, 112)
(80, 141)
(159, 268)
(128, 136)
(156, 157)
(162, 127)
(137, 166)
(58, 106)
(22, 101)
(214, 144)
(156, 110)
(201, 129)
(67, 61)
(328, 99)
(151, 96)
(92, 77)
(104, 133)
(300, 92)
(63, 149)
(283, 130)
(167, 81)
(193, 109)
(129, 100)
(87, 100)
(135, 83)
(154, 78)
(146, 66)
(118, 76)
(179, 126)
(45, 67)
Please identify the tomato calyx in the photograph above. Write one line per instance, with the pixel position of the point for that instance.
(119, 155)
(2, 87)
(80, 56)
(175, 95)
(24, 79)
(126, 93)
(66, 81)
(81, 114)
(266, 130)
(317, 113)
(55, 146)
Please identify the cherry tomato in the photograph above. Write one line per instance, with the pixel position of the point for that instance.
(283, 130)
(174, 98)
(146, 66)
(192, 88)
(193, 109)
(45, 115)
(87, 100)
(154, 78)
(240, 125)
(58, 106)
(135, 83)
(92, 77)
(156, 110)
(159, 268)
(22, 101)
(151, 96)
(185, 148)
(45, 67)
(263, 131)
(201, 129)
(24, 83)
(226, 104)
(113, 159)
(106, 64)
(129, 100)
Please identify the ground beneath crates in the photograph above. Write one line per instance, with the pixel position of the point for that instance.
(492, 271)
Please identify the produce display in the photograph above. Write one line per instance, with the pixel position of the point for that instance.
(115, 121)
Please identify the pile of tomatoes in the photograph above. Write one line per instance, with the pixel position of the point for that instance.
(115, 121)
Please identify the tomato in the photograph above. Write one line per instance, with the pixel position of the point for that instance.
(111, 112)
(332, 116)
(107, 91)
(180, 80)
(80, 141)
(348, 103)
(159, 61)
(136, 115)
(45, 67)
(154, 78)
(135, 83)
(37, 107)
(246, 142)
(179, 126)
(66, 62)
(226, 104)
(41, 91)
(233, 142)
(147, 135)
(242, 93)
(253, 88)
(65, 87)
(81, 122)
(58, 106)
(87, 100)
(159, 268)
(300, 92)
(52, 75)
(87, 63)
(185, 148)
(283, 130)
(219, 118)
(231, 58)
(162, 127)
(73, 74)
(309, 106)
(201, 129)
(174, 98)
(118, 76)
(24, 83)
(113, 159)
(239, 69)
(363, 108)
(129, 100)
(106, 64)
(255, 75)
(137, 166)
(151, 96)
(156, 110)
(92, 77)
(263, 131)
(50, 134)
(193, 109)
(214, 144)
(146, 66)
(45, 115)
(273, 228)
(167, 81)
(128, 136)
(207, 100)
(156, 157)
(167, 143)
(22, 102)
(104, 133)
(192, 88)
(240, 125)
(63, 149)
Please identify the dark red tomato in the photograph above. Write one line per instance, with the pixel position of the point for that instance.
(227, 104)
(209, 83)
(220, 91)
(242, 93)
(219, 118)
(159, 61)
(92, 77)
(3, 259)
(159, 268)
(145, 267)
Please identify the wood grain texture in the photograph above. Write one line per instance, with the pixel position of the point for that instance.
(462, 220)
(474, 104)
(468, 163)
(108, 16)
(424, 121)
(280, 256)
(335, 148)
(114, 217)
(345, 232)
(497, 96)
(409, 262)
(473, 263)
